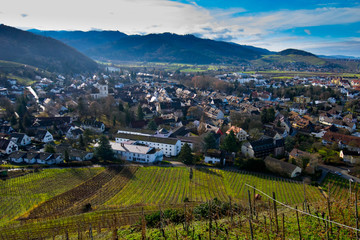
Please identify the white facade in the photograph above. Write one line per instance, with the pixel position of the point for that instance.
(103, 91)
(9, 147)
(48, 138)
(26, 140)
(170, 147)
(211, 160)
(130, 151)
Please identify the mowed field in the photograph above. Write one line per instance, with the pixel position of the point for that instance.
(54, 193)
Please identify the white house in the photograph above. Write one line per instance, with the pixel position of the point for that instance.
(170, 146)
(31, 157)
(7, 146)
(101, 91)
(44, 136)
(214, 113)
(21, 139)
(93, 125)
(133, 151)
(17, 157)
(213, 156)
(74, 133)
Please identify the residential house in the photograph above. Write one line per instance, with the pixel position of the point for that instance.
(31, 157)
(93, 125)
(17, 157)
(213, 113)
(299, 108)
(213, 156)
(7, 146)
(283, 168)
(263, 147)
(301, 99)
(352, 143)
(352, 157)
(7, 129)
(43, 136)
(74, 133)
(240, 133)
(21, 139)
(100, 90)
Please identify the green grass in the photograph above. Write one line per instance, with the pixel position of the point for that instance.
(19, 195)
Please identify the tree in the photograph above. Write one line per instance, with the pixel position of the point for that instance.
(66, 156)
(104, 150)
(140, 113)
(185, 155)
(49, 148)
(121, 107)
(210, 141)
(230, 143)
(152, 125)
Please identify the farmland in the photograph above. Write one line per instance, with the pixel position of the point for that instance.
(155, 185)
(19, 195)
(55, 198)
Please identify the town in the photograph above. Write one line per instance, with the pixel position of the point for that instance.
(288, 126)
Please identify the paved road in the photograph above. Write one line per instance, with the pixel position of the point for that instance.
(342, 170)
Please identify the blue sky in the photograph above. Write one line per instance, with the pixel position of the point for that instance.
(322, 27)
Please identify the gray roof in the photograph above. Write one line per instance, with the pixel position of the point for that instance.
(147, 138)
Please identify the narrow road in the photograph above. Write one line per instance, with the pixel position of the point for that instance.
(342, 170)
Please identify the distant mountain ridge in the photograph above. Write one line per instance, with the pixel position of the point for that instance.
(80, 40)
(164, 47)
(173, 48)
(43, 52)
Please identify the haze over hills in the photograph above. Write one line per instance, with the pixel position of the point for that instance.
(43, 52)
(165, 47)
(53, 55)
(173, 48)
(80, 40)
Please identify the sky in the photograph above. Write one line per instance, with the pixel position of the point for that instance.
(326, 27)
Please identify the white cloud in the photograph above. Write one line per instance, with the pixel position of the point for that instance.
(156, 16)
(128, 16)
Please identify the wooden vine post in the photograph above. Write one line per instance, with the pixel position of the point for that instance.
(298, 223)
(275, 212)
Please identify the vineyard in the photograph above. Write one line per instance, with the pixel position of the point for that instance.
(154, 185)
(19, 195)
(59, 201)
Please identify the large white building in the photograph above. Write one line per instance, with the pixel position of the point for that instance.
(170, 146)
(101, 91)
(133, 151)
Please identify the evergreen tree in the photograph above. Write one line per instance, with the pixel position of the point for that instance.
(152, 125)
(185, 155)
(210, 141)
(49, 148)
(140, 113)
(121, 107)
(104, 150)
(230, 143)
(66, 156)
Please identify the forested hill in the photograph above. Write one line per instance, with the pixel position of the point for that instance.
(43, 52)
(80, 40)
(168, 47)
